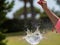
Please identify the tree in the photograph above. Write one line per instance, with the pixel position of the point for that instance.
(19, 12)
(58, 2)
(5, 7)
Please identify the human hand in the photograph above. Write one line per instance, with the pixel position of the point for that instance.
(43, 3)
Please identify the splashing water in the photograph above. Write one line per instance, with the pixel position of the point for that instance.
(33, 38)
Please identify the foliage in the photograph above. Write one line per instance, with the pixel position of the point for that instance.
(58, 2)
(2, 37)
(21, 10)
(5, 7)
(13, 25)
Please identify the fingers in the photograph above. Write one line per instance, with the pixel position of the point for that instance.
(41, 2)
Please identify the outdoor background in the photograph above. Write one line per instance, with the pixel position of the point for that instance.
(18, 15)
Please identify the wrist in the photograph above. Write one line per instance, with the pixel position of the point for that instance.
(44, 7)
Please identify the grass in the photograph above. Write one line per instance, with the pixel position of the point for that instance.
(52, 39)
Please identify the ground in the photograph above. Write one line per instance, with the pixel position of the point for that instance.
(52, 39)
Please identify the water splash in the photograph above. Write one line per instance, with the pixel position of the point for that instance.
(33, 38)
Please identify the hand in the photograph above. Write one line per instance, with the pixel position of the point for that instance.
(43, 3)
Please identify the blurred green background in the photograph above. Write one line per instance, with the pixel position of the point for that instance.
(18, 15)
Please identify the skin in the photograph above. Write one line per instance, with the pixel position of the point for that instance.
(49, 13)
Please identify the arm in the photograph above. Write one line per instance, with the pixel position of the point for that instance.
(49, 13)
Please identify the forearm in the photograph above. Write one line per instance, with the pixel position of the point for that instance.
(51, 15)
